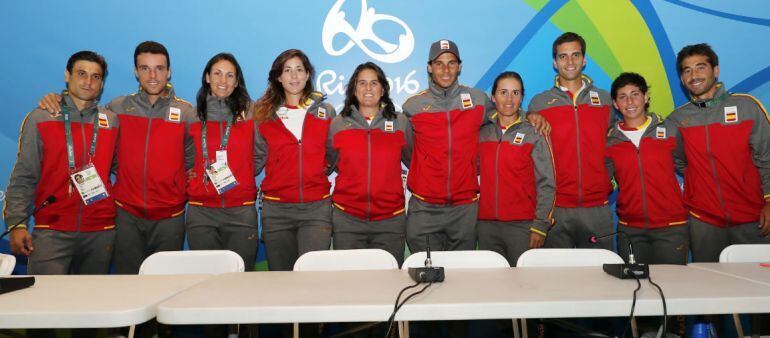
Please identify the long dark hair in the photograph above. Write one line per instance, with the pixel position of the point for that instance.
(388, 111)
(238, 101)
(274, 94)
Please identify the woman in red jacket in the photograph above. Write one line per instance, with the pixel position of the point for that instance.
(221, 191)
(651, 212)
(367, 143)
(292, 124)
(517, 176)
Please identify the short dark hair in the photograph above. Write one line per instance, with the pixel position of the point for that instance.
(87, 55)
(697, 49)
(568, 37)
(388, 109)
(152, 47)
(508, 75)
(629, 78)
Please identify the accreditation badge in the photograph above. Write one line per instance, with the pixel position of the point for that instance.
(221, 177)
(88, 184)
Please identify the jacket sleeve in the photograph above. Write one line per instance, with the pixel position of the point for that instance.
(406, 153)
(760, 145)
(189, 144)
(20, 193)
(608, 163)
(489, 107)
(114, 168)
(332, 155)
(260, 150)
(545, 183)
(680, 160)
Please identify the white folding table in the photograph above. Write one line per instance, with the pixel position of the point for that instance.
(350, 296)
(748, 271)
(90, 301)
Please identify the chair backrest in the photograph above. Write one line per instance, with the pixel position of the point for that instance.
(745, 253)
(7, 263)
(192, 262)
(468, 259)
(337, 260)
(567, 257)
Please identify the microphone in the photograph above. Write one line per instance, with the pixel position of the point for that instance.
(429, 273)
(631, 260)
(624, 271)
(48, 200)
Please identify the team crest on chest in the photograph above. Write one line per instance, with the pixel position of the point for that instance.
(660, 132)
(731, 114)
(389, 126)
(321, 113)
(519, 138)
(174, 114)
(465, 99)
(595, 98)
(103, 121)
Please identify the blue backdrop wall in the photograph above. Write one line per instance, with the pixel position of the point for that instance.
(496, 35)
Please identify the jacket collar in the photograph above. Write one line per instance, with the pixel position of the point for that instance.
(89, 109)
(452, 91)
(719, 95)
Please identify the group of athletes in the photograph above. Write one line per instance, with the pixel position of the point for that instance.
(481, 171)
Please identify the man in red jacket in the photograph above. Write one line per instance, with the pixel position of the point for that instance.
(443, 171)
(580, 114)
(75, 233)
(724, 152)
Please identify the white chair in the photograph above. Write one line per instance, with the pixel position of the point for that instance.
(468, 259)
(463, 259)
(568, 257)
(344, 260)
(7, 263)
(192, 262)
(744, 253)
(340, 260)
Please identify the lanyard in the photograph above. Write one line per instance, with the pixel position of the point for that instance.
(204, 144)
(68, 137)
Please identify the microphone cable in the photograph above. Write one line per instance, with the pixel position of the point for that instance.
(665, 310)
(633, 306)
(398, 306)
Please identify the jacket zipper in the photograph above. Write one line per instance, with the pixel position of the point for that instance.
(146, 154)
(577, 145)
(497, 176)
(641, 178)
(369, 173)
(716, 176)
(449, 154)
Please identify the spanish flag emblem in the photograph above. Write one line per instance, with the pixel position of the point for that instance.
(731, 114)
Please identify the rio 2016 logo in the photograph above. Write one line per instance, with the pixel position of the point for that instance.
(335, 23)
